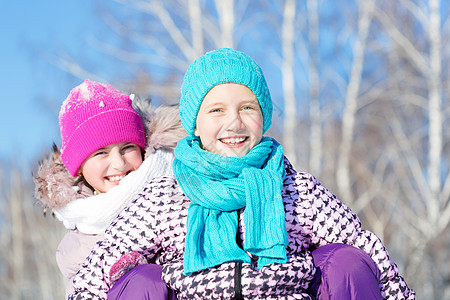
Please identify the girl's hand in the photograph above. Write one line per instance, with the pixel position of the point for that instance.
(125, 263)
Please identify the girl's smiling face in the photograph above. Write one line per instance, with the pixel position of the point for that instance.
(104, 168)
(229, 121)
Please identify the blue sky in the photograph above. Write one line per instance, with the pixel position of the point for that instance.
(31, 88)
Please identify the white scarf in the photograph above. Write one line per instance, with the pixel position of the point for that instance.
(92, 215)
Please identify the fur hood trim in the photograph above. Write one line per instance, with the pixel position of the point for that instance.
(55, 187)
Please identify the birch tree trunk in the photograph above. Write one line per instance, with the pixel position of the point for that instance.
(287, 71)
(435, 113)
(343, 176)
(225, 10)
(17, 253)
(315, 152)
(195, 21)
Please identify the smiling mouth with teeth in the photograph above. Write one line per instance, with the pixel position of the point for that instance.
(233, 141)
(115, 178)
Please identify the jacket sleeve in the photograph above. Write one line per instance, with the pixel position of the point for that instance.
(334, 222)
(131, 231)
(72, 251)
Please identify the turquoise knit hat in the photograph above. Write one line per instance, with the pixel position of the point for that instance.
(223, 65)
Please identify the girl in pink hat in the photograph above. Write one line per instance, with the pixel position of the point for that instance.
(109, 150)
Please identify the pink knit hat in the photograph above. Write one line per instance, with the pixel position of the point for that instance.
(93, 116)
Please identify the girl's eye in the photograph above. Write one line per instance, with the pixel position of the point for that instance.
(99, 153)
(248, 107)
(215, 110)
(130, 148)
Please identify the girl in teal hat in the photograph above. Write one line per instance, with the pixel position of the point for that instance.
(236, 221)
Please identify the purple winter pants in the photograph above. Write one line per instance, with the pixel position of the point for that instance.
(343, 272)
(142, 283)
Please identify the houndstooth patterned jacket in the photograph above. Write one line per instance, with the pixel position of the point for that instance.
(154, 226)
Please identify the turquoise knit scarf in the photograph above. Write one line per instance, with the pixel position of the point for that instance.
(218, 186)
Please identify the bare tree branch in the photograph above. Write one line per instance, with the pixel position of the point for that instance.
(351, 98)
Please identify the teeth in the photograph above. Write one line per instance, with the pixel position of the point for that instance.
(116, 178)
(233, 140)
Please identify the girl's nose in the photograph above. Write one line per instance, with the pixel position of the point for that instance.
(117, 160)
(235, 122)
